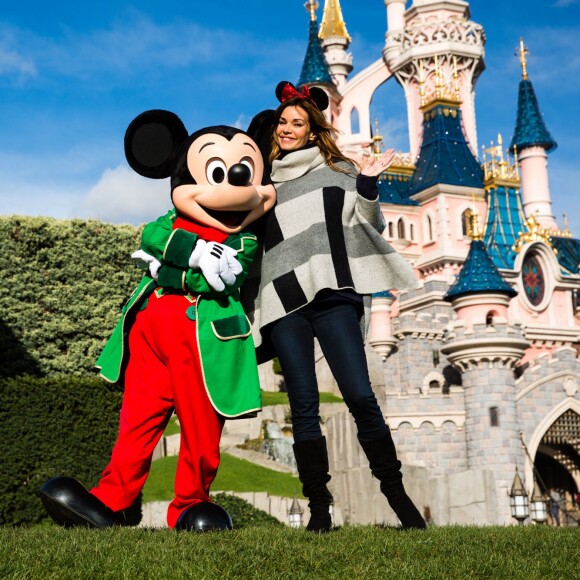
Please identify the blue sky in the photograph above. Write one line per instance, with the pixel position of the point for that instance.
(73, 76)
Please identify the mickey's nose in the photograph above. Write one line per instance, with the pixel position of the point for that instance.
(239, 174)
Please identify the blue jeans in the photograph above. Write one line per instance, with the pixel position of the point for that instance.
(336, 325)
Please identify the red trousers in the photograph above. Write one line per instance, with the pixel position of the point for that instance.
(163, 373)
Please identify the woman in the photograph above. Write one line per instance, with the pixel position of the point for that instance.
(323, 258)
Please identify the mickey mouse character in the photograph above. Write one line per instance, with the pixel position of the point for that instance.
(183, 343)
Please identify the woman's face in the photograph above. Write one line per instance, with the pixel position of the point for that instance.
(293, 129)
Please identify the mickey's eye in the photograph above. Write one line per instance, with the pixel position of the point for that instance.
(249, 163)
(215, 171)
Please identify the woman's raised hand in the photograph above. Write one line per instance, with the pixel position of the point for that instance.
(376, 165)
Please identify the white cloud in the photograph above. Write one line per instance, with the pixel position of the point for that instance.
(122, 196)
(12, 59)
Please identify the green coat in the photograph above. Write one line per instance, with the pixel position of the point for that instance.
(224, 338)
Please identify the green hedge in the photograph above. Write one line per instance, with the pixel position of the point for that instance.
(48, 427)
(244, 514)
(64, 283)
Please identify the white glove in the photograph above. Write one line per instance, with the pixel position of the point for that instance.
(217, 263)
(153, 263)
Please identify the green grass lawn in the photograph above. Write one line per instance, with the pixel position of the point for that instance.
(364, 552)
(234, 475)
(270, 398)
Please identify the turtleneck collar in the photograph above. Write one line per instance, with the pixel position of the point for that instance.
(295, 164)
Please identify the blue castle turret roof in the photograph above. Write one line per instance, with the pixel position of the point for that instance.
(314, 68)
(445, 156)
(531, 130)
(394, 188)
(505, 222)
(479, 275)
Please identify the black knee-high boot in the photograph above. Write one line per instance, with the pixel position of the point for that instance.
(386, 468)
(312, 462)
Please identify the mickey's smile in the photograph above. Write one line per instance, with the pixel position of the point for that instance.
(229, 218)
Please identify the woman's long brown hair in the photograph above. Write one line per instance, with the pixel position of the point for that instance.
(321, 128)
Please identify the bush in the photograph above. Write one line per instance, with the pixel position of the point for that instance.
(244, 514)
(65, 282)
(49, 427)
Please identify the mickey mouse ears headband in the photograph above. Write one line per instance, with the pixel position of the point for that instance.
(286, 90)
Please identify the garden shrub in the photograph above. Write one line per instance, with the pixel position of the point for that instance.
(244, 514)
(64, 283)
(60, 425)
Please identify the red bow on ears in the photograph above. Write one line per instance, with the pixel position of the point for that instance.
(289, 92)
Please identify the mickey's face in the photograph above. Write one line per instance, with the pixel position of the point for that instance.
(225, 190)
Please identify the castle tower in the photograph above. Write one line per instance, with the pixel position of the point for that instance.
(315, 71)
(505, 216)
(433, 30)
(444, 156)
(335, 41)
(532, 141)
(486, 349)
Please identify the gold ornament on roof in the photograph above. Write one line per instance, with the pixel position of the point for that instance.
(443, 93)
(475, 230)
(333, 25)
(522, 52)
(534, 233)
(377, 140)
(565, 233)
(311, 6)
(499, 168)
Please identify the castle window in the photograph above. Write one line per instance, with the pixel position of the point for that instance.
(494, 416)
(429, 228)
(390, 229)
(412, 231)
(401, 229)
(433, 384)
(466, 222)
(354, 121)
(489, 317)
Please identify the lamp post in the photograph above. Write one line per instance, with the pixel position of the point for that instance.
(295, 514)
(519, 502)
(538, 506)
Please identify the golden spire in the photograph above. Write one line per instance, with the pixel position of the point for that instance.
(456, 79)
(498, 168)
(332, 24)
(311, 6)
(377, 140)
(438, 79)
(522, 52)
(534, 233)
(443, 92)
(475, 229)
(421, 83)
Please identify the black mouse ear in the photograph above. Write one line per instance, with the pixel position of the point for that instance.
(280, 87)
(260, 130)
(319, 97)
(150, 141)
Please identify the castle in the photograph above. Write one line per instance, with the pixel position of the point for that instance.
(476, 370)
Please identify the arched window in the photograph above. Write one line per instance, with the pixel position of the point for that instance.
(489, 318)
(354, 121)
(429, 232)
(466, 222)
(390, 229)
(401, 229)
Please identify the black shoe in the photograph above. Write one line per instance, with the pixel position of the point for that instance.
(69, 504)
(386, 468)
(312, 463)
(204, 517)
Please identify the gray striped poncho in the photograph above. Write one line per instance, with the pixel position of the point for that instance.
(321, 234)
